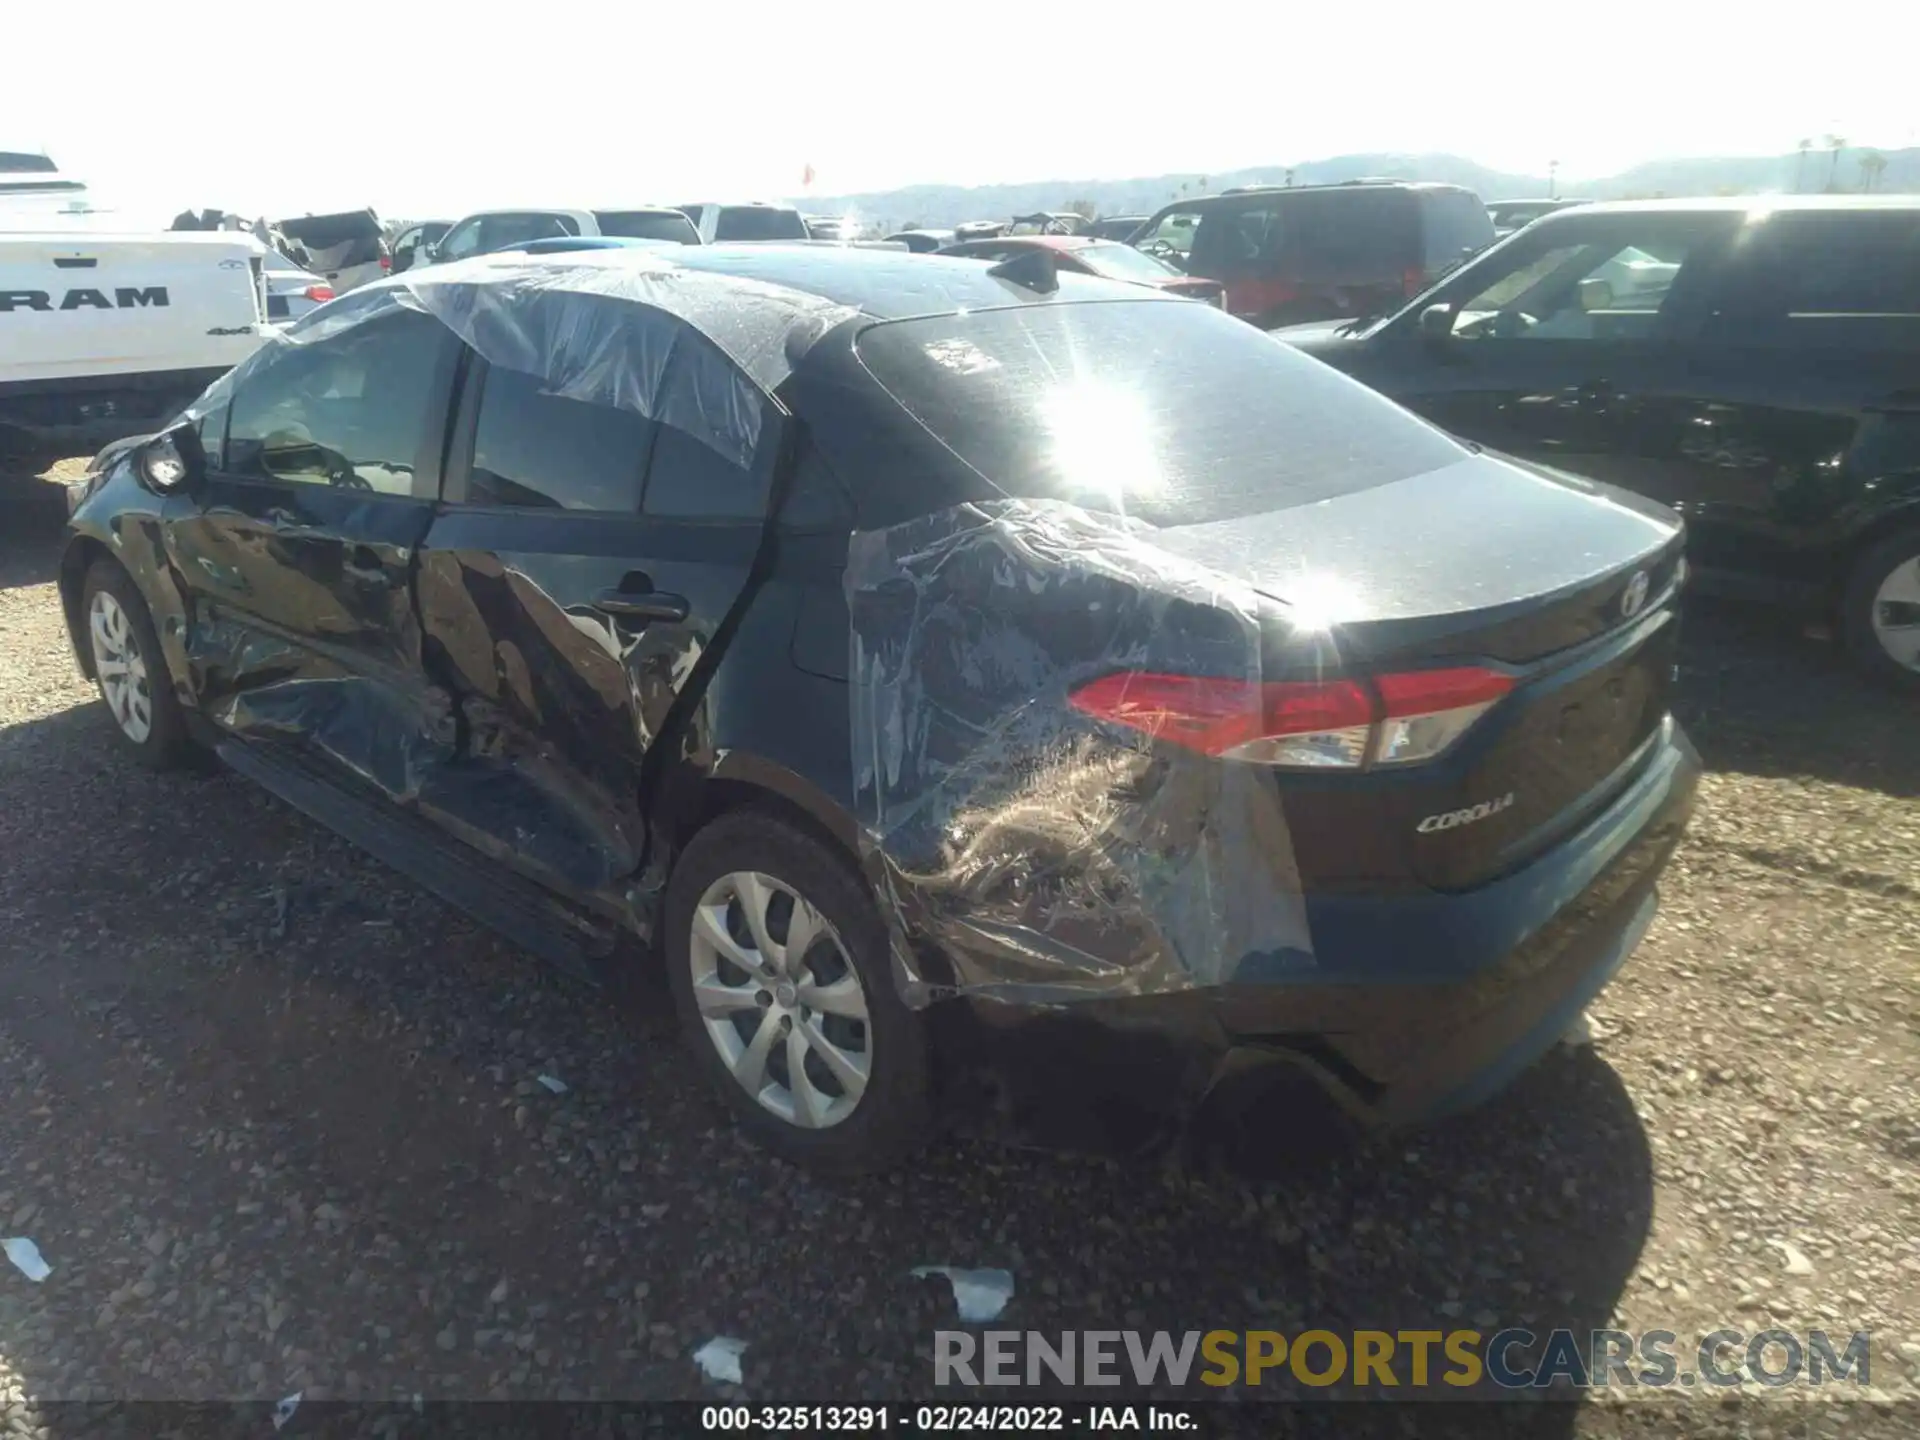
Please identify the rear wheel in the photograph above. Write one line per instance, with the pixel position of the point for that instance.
(1881, 610)
(781, 977)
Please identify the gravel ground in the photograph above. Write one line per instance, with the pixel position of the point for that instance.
(273, 1115)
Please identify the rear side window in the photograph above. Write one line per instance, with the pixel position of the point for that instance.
(1836, 280)
(647, 225)
(545, 451)
(1174, 413)
(1454, 224)
(759, 222)
(1358, 234)
(690, 480)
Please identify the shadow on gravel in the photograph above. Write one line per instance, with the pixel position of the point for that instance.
(33, 515)
(1758, 697)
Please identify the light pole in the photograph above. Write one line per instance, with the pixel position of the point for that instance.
(1553, 179)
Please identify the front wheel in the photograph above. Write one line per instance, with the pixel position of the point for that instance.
(130, 671)
(1881, 610)
(781, 976)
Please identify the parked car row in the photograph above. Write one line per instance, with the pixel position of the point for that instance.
(1753, 365)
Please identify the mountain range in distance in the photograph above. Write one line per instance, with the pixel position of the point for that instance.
(943, 206)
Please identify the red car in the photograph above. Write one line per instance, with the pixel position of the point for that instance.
(1108, 259)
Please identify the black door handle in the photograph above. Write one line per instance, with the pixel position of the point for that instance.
(651, 605)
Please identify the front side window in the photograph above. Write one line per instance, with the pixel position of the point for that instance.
(544, 451)
(351, 411)
(1612, 284)
(460, 242)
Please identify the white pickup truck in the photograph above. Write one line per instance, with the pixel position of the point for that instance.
(106, 335)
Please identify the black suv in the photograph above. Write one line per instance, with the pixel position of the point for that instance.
(896, 641)
(1318, 252)
(1754, 363)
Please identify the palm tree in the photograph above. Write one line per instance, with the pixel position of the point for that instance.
(1800, 169)
(1871, 163)
(1835, 144)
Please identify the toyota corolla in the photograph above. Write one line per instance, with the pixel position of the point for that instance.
(878, 641)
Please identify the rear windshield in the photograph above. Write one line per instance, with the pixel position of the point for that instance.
(1173, 413)
(647, 225)
(759, 222)
(1457, 225)
(1123, 262)
(335, 242)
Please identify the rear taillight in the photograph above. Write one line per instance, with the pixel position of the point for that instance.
(386, 262)
(319, 294)
(1413, 282)
(1394, 719)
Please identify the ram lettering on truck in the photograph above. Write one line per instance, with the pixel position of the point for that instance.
(106, 334)
(124, 297)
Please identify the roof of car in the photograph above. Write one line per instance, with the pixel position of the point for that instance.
(883, 284)
(1746, 203)
(1055, 242)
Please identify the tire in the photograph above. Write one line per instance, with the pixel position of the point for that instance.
(755, 853)
(147, 719)
(1887, 575)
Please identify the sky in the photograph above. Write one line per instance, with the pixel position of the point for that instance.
(436, 108)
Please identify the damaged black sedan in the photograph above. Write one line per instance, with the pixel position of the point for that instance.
(922, 661)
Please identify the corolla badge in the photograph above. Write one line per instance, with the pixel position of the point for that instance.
(1453, 819)
(1634, 598)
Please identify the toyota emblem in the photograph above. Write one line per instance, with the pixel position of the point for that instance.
(1634, 597)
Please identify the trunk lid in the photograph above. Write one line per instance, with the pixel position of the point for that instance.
(1567, 586)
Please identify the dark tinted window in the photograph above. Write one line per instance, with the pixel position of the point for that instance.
(351, 411)
(690, 479)
(1174, 413)
(647, 225)
(816, 500)
(1361, 233)
(498, 232)
(759, 222)
(1830, 280)
(535, 449)
(1454, 225)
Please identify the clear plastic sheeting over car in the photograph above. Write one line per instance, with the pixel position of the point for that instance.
(1027, 851)
(631, 329)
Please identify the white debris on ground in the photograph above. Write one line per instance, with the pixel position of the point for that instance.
(719, 1359)
(26, 1258)
(553, 1083)
(980, 1294)
(283, 1411)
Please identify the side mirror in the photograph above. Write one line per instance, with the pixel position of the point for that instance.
(1436, 322)
(171, 462)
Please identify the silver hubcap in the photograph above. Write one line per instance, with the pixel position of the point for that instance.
(121, 667)
(1896, 614)
(780, 999)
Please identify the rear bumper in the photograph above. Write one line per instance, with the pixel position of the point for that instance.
(1417, 1006)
